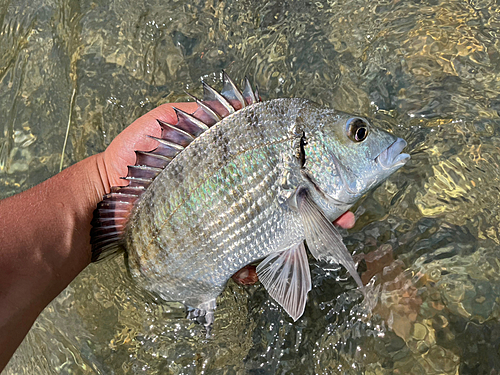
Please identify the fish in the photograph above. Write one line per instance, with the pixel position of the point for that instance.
(237, 181)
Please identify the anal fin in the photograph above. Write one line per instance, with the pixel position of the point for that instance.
(204, 314)
(287, 278)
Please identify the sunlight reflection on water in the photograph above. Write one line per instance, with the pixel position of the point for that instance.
(427, 239)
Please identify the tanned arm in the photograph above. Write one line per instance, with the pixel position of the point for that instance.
(45, 244)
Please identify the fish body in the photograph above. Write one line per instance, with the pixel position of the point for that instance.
(218, 206)
(254, 186)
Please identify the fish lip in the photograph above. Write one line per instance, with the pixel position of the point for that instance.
(392, 157)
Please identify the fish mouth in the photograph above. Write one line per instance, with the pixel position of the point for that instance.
(392, 157)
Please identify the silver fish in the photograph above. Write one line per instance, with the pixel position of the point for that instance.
(242, 180)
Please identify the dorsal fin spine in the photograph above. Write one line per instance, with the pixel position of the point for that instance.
(152, 154)
(211, 93)
(248, 93)
(166, 125)
(131, 178)
(134, 181)
(210, 117)
(175, 134)
(167, 143)
(256, 94)
(143, 171)
(232, 93)
(152, 159)
(112, 213)
(189, 122)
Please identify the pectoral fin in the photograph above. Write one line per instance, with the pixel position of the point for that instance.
(286, 277)
(323, 239)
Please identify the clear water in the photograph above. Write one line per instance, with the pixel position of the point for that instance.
(428, 238)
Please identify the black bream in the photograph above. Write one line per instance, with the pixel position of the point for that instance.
(237, 181)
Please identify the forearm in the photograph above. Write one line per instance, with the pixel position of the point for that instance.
(44, 245)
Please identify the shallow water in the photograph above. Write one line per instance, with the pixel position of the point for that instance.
(428, 238)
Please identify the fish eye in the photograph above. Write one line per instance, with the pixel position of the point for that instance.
(357, 129)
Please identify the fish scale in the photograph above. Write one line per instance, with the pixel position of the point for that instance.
(218, 195)
(201, 263)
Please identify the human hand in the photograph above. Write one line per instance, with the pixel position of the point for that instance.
(120, 153)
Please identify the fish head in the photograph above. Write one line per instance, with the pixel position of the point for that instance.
(346, 155)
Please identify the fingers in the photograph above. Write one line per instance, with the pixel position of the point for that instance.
(246, 276)
(135, 136)
(346, 221)
(121, 152)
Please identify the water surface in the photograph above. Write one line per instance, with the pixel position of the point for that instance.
(427, 240)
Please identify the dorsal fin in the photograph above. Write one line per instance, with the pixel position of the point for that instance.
(111, 214)
(204, 113)
(189, 123)
(216, 101)
(231, 93)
